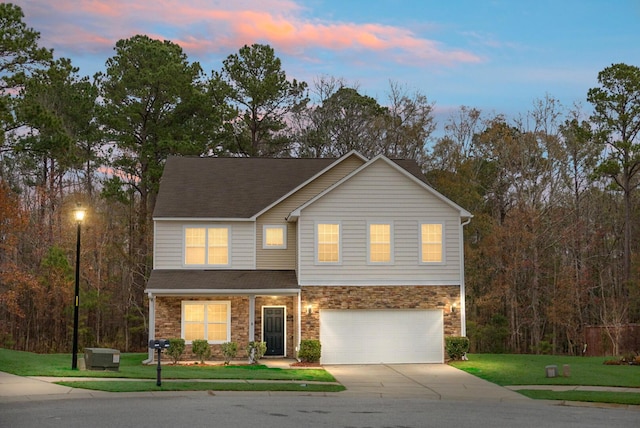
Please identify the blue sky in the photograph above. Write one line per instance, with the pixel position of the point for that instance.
(499, 56)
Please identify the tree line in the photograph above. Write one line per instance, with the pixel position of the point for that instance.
(553, 246)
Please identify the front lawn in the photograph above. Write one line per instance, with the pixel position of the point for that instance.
(59, 365)
(510, 370)
(520, 369)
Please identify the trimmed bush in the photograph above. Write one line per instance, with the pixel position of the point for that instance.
(176, 349)
(310, 351)
(456, 346)
(229, 351)
(201, 348)
(255, 351)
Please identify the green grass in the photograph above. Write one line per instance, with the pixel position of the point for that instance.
(629, 398)
(510, 369)
(59, 365)
(150, 386)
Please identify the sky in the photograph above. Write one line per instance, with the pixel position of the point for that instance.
(499, 56)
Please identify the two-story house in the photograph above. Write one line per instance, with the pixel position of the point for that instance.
(359, 253)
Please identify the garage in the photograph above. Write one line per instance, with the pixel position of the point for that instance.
(381, 336)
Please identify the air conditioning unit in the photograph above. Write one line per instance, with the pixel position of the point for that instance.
(102, 359)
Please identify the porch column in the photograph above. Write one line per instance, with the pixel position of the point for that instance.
(299, 324)
(252, 318)
(152, 324)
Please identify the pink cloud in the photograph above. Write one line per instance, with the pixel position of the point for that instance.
(205, 27)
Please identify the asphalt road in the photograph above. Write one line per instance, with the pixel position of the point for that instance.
(283, 410)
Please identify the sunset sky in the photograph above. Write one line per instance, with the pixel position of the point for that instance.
(496, 55)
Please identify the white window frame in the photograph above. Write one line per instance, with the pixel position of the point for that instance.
(227, 303)
(206, 245)
(317, 243)
(442, 243)
(391, 241)
(283, 228)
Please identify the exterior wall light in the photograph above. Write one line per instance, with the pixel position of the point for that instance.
(309, 309)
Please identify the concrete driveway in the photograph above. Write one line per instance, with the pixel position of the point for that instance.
(430, 381)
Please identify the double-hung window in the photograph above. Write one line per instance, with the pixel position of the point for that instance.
(380, 243)
(208, 320)
(431, 243)
(206, 246)
(328, 243)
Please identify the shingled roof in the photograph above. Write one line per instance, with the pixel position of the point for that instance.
(222, 281)
(238, 188)
(229, 187)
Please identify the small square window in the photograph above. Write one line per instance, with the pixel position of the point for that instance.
(274, 237)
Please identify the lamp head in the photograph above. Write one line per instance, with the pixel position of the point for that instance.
(79, 213)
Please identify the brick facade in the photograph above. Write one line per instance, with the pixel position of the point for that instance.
(379, 297)
(169, 309)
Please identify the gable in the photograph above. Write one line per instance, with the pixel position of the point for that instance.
(389, 184)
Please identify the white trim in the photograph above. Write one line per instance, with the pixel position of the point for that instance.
(283, 228)
(152, 325)
(222, 292)
(227, 303)
(316, 243)
(284, 324)
(463, 306)
(443, 258)
(374, 283)
(391, 243)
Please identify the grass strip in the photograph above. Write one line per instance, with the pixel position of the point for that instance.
(144, 386)
(630, 398)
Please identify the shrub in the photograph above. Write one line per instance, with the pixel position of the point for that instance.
(201, 348)
(176, 349)
(310, 350)
(255, 351)
(229, 351)
(456, 346)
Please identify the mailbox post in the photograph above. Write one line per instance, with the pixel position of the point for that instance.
(159, 344)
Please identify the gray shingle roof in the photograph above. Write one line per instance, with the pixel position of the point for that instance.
(229, 187)
(193, 187)
(222, 280)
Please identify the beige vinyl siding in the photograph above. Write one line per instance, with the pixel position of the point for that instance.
(169, 243)
(379, 193)
(286, 259)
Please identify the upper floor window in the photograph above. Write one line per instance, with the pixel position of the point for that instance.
(274, 237)
(328, 242)
(209, 320)
(380, 243)
(431, 243)
(206, 245)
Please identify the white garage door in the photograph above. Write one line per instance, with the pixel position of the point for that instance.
(381, 336)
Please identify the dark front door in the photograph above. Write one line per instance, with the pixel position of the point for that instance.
(274, 330)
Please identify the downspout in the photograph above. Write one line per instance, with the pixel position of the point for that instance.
(152, 326)
(463, 306)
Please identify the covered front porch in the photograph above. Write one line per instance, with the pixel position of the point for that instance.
(226, 306)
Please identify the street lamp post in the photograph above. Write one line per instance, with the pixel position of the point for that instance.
(78, 214)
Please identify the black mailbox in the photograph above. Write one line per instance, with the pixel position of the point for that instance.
(159, 344)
